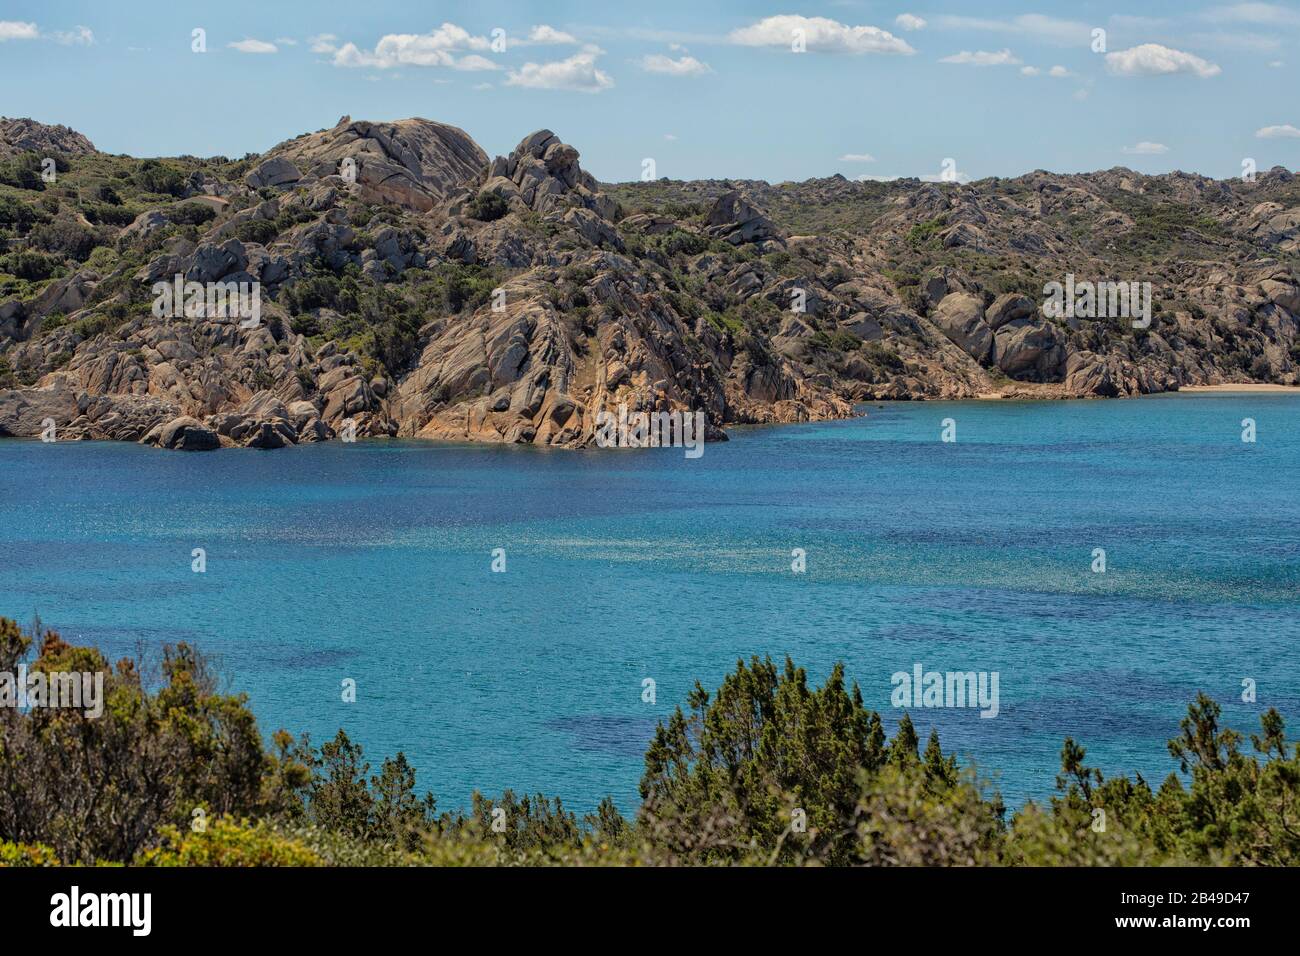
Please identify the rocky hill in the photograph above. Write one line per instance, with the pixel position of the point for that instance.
(19, 136)
(409, 285)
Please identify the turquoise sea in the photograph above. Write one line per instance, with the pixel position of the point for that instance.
(372, 561)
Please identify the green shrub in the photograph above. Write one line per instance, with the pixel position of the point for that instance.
(260, 231)
(725, 322)
(192, 213)
(226, 842)
(65, 237)
(27, 854)
(105, 214)
(33, 266)
(153, 176)
(679, 242)
(883, 357)
(23, 172)
(488, 207)
(923, 232)
(732, 777)
(18, 215)
(838, 341)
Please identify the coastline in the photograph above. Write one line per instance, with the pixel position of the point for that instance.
(1045, 395)
(1240, 387)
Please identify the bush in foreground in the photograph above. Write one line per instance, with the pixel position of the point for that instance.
(765, 771)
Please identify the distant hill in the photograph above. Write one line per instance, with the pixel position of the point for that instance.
(28, 136)
(412, 286)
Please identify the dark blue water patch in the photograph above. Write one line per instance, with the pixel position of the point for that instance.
(607, 733)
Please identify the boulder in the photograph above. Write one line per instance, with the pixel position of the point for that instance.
(1007, 308)
(960, 316)
(183, 434)
(24, 411)
(1024, 348)
(276, 171)
(271, 434)
(1282, 293)
(863, 326)
(211, 262)
(734, 219)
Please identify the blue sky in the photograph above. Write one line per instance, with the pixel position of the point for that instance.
(706, 90)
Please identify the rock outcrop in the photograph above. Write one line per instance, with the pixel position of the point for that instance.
(182, 434)
(28, 136)
(736, 220)
(413, 163)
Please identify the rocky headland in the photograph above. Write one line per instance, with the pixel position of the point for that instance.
(410, 285)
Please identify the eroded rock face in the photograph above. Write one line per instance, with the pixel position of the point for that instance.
(414, 163)
(520, 378)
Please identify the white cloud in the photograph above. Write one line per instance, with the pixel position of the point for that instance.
(474, 62)
(684, 66)
(481, 86)
(1258, 13)
(286, 41)
(323, 43)
(857, 158)
(577, 73)
(79, 36)
(440, 47)
(1278, 132)
(670, 136)
(1276, 63)
(543, 34)
(982, 58)
(253, 46)
(1152, 59)
(910, 21)
(1030, 71)
(820, 36)
(1058, 72)
(1034, 25)
(17, 30)
(1145, 148)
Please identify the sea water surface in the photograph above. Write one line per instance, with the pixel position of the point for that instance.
(372, 561)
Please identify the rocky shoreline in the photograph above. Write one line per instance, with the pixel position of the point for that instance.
(409, 286)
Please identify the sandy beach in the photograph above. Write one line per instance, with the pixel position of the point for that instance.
(1241, 387)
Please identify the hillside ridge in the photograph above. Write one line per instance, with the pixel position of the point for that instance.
(410, 285)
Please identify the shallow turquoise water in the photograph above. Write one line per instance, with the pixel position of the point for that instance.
(372, 561)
